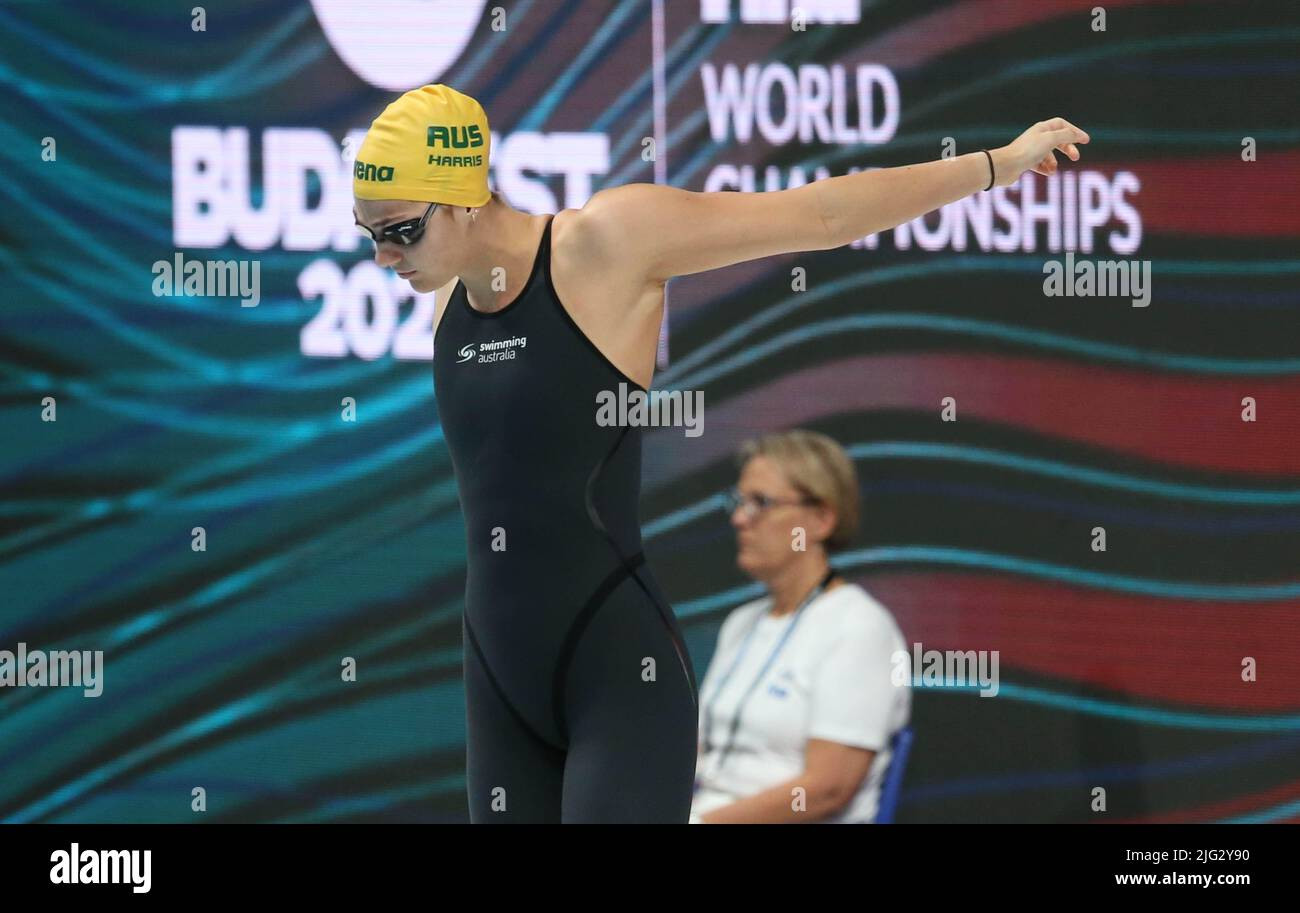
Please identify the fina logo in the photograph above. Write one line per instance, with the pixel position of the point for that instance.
(777, 12)
(422, 39)
(466, 353)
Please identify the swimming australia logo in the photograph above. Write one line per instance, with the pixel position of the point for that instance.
(493, 350)
(429, 39)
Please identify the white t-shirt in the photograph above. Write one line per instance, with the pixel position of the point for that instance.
(831, 680)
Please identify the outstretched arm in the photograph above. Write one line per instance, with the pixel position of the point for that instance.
(662, 231)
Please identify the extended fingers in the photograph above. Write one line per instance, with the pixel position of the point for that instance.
(1060, 123)
(1063, 135)
(1065, 139)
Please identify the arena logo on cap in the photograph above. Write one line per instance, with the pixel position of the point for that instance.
(368, 172)
(426, 38)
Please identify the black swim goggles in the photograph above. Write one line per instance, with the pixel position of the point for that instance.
(404, 233)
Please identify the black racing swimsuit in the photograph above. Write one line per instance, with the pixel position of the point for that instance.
(581, 701)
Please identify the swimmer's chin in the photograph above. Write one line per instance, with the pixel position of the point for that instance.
(421, 284)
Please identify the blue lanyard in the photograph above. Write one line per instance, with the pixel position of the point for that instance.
(735, 723)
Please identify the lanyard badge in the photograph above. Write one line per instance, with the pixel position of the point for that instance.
(785, 635)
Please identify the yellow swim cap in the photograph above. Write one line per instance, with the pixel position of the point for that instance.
(431, 145)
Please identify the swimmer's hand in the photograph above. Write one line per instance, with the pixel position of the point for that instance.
(1035, 150)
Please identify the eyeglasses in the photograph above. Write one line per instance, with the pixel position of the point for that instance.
(753, 505)
(404, 233)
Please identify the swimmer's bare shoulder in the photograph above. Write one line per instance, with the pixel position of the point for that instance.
(656, 232)
(440, 298)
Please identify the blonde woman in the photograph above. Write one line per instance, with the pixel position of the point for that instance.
(798, 708)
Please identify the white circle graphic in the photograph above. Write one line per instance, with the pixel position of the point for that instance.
(399, 44)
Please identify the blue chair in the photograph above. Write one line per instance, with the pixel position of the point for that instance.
(892, 786)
